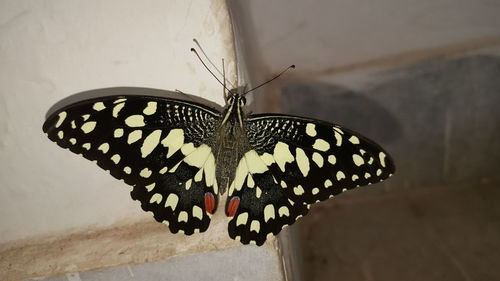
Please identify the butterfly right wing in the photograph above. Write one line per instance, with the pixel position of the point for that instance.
(159, 146)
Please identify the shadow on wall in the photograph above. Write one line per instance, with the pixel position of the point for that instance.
(439, 119)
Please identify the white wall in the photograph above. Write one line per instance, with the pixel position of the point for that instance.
(54, 48)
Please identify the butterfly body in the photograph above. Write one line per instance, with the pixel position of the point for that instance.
(180, 156)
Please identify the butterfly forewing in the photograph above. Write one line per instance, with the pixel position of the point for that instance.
(294, 162)
(160, 146)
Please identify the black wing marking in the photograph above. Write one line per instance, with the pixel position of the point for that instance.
(297, 162)
(160, 146)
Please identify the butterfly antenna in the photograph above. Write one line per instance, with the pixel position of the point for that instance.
(268, 81)
(224, 78)
(196, 53)
(210, 61)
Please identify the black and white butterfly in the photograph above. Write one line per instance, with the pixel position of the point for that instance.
(180, 156)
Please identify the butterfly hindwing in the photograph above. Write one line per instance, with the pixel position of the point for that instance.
(160, 146)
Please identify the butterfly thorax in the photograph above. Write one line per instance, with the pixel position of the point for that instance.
(231, 142)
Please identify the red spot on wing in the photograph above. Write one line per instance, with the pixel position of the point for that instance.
(209, 202)
(233, 205)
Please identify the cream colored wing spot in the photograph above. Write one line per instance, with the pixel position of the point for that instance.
(85, 117)
(150, 143)
(187, 148)
(255, 226)
(328, 183)
(88, 127)
(382, 156)
(311, 130)
(163, 170)
(173, 141)
(134, 136)
(258, 192)
(120, 100)
(183, 216)
(283, 211)
(354, 177)
(315, 191)
(73, 124)
(145, 173)
(367, 176)
(242, 219)
(172, 201)
(318, 159)
(134, 121)
(250, 182)
(188, 184)
(150, 108)
(197, 212)
(340, 175)
(282, 155)
(370, 161)
(321, 145)
(150, 187)
(209, 169)
(118, 133)
(87, 145)
(156, 198)
(358, 160)
(198, 176)
(127, 170)
(267, 158)
(338, 138)
(302, 161)
(254, 163)
(332, 159)
(72, 141)
(98, 106)
(269, 212)
(298, 190)
(240, 175)
(104, 147)
(283, 184)
(198, 157)
(60, 135)
(379, 172)
(117, 108)
(61, 116)
(354, 140)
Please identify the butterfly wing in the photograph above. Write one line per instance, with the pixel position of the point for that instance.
(160, 146)
(294, 162)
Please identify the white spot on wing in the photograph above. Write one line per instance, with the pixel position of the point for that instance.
(328, 183)
(283, 211)
(382, 156)
(311, 129)
(242, 219)
(354, 140)
(134, 136)
(302, 161)
(318, 159)
(62, 115)
(198, 157)
(358, 160)
(282, 155)
(127, 170)
(104, 147)
(88, 127)
(118, 133)
(197, 212)
(254, 163)
(183, 216)
(117, 108)
(298, 190)
(269, 212)
(145, 173)
(173, 141)
(321, 145)
(150, 143)
(156, 198)
(255, 226)
(135, 121)
(172, 201)
(340, 175)
(150, 108)
(315, 191)
(98, 106)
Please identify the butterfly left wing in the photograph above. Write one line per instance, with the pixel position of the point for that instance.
(295, 162)
(159, 146)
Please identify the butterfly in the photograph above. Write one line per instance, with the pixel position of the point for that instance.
(181, 155)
